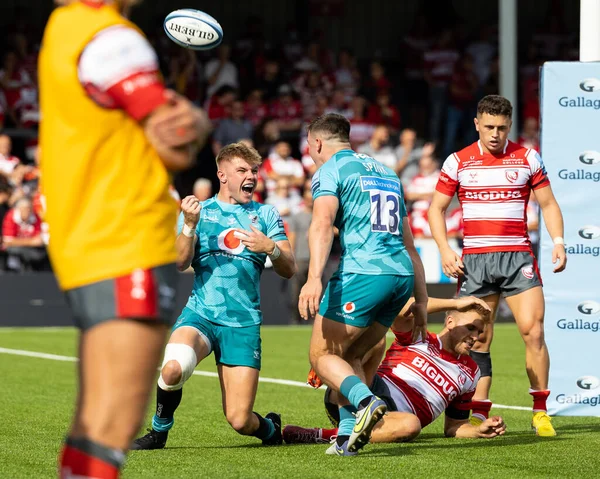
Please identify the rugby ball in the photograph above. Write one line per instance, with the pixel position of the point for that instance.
(193, 29)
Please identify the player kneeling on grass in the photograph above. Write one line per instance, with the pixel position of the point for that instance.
(226, 239)
(420, 380)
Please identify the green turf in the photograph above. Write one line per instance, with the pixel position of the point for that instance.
(37, 397)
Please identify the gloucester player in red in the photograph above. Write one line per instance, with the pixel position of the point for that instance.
(421, 380)
(493, 179)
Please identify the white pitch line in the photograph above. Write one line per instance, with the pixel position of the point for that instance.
(285, 382)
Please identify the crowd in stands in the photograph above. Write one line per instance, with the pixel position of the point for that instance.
(409, 114)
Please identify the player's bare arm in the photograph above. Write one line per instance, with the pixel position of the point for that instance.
(419, 306)
(320, 239)
(488, 429)
(404, 321)
(554, 224)
(452, 265)
(186, 239)
(280, 252)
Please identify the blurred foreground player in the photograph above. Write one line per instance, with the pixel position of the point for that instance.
(226, 239)
(110, 133)
(421, 380)
(493, 179)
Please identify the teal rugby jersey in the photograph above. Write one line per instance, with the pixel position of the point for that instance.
(227, 275)
(370, 214)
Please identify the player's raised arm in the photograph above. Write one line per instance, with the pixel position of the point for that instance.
(186, 227)
(119, 70)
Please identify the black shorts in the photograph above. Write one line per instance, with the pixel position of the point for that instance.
(507, 273)
(145, 294)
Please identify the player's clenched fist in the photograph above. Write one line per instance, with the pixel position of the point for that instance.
(190, 206)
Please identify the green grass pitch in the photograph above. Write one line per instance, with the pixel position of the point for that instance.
(37, 400)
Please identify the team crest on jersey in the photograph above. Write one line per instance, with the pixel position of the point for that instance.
(512, 175)
(228, 242)
(349, 307)
(527, 271)
(253, 217)
(462, 379)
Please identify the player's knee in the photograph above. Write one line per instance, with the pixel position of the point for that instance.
(534, 335)
(171, 373)
(410, 429)
(240, 421)
(178, 365)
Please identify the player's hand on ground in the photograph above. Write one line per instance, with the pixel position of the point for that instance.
(310, 297)
(190, 206)
(559, 255)
(492, 427)
(255, 240)
(452, 265)
(468, 301)
(419, 314)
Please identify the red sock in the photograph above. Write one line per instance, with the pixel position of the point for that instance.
(539, 399)
(481, 409)
(76, 463)
(328, 434)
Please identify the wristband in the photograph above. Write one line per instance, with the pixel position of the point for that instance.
(187, 231)
(559, 240)
(276, 253)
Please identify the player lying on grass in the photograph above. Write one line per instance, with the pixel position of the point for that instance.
(226, 239)
(421, 380)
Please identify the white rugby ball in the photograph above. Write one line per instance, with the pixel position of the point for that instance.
(193, 29)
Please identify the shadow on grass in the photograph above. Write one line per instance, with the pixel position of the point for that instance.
(436, 442)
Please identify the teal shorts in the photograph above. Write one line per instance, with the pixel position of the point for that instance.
(361, 299)
(232, 346)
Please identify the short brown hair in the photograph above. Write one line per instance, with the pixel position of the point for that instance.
(239, 150)
(494, 105)
(486, 317)
(334, 126)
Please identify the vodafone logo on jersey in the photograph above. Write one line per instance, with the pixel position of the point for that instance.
(349, 307)
(527, 271)
(493, 195)
(228, 242)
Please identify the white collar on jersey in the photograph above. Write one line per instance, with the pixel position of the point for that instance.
(481, 148)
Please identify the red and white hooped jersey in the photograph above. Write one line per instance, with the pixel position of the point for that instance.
(493, 191)
(425, 380)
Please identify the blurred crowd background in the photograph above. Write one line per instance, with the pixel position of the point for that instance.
(408, 111)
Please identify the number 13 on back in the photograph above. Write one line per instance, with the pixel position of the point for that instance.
(385, 203)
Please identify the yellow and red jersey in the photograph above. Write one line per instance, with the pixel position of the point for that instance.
(108, 204)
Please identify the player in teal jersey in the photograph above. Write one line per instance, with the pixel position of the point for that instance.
(226, 239)
(379, 269)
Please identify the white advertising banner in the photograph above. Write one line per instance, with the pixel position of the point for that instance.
(570, 144)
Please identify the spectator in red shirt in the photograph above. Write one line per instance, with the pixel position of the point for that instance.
(22, 237)
(376, 82)
(286, 110)
(256, 109)
(219, 105)
(384, 113)
(361, 128)
(530, 135)
(12, 79)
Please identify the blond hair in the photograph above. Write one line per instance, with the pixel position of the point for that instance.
(239, 150)
(486, 317)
